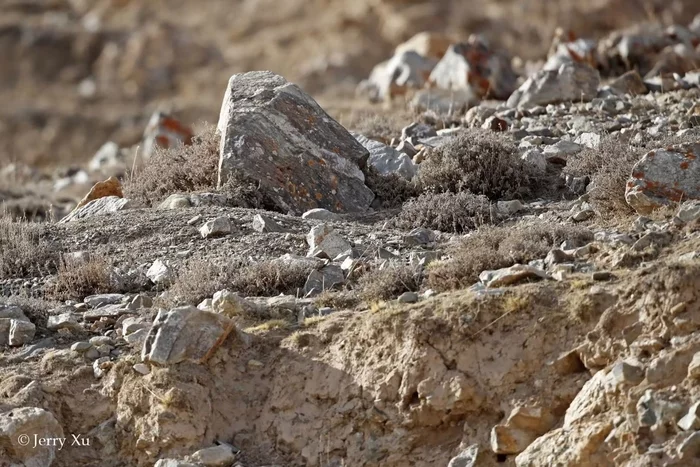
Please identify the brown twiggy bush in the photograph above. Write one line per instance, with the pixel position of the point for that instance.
(23, 251)
(389, 282)
(76, 280)
(447, 212)
(478, 161)
(495, 247)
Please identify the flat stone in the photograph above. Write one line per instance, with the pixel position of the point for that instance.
(664, 177)
(216, 228)
(276, 134)
(81, 347)
(98, 207)
(108, 311)
(216, 456)
(142, 368)
(185, 334)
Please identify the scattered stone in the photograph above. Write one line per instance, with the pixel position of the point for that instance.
(216, 228)
(511, 275)
(466, 458)
(195, 219)
(589, 140)
(165, 131)
(629, 83)
(185, 334)
(572, 82)
(98, 207)
(325, 278)
(663, 177)
(18, 429)
(625, 373)
(264, 224)
(473, 67)
(419, 236)
(325, 242)
(231, 304)
(320, 214)
(694, 367)
(387, 160)
(101, 366)
(404, 71)
(524, 425)
(274, 133)
(560, 152)
(689, 212)
(142, 368)
(418, 131)
(160, 272)
(510, 207)
(568, 363)
(408, 297)
(21, 332)
(217, 456)
(95, 301)
(81, 347)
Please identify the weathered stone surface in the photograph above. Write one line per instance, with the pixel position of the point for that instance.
(466, 458)
(266, 224)
(572, 82)
(320, 214)
(107, 311)
(18, 429)
(106, 205)
(216, 228)
(64, 321)
(575, 447)
(231, 304)
(21, 332)
(323, 279)
(560, 151)
(629, 83)
(663, 177)
(386, 159)
(404, 71)
(216, 456)
(523, 426)
(165, 131)
(274, 133)
(160, 272)
(94, 301)
(325, 242)
(473, 66)
(511, 275)
(694, 367)
(689, 211)
(185, 334)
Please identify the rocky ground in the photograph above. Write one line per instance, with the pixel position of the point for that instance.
(488, 257)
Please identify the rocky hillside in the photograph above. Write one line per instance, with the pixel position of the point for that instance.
(488, 255)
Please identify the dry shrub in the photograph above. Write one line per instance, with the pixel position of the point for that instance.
(339, 300)
(499, 247)
(76, 280)
(447, 212)
(391, 190)
(609, 168)
(389, 282)
(478, 161)
(180, 169)
(23, 251)
(379, 127)
(200, 279)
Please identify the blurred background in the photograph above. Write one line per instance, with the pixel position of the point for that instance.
(77, 73)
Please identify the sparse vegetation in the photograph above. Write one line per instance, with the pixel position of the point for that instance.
(499, 247)
(269, 326)
(391, 190)
(339, 300)
(448, 212)
(478, 161)
(389, 282)
(23, 251)
(609, 168)
(380, 127)
(77, 279)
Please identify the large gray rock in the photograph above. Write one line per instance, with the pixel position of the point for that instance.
(100, 206)
(404, 71)
(21, 431)
(663, 177)
(572, 82)
(274, 133)
(386, 159)
(15, 328)
(473, 66)
(185, 334)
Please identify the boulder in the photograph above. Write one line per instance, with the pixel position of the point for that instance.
(572, 82)
(325, 242)
(388, 160)
(663, 177)
(165, 131)
(160, 272)
(264, 224)
(274, 133)
(404, 71)
(22, 428)
(472, 66)
(97, 207)
(580, 446)
(216, 228)
(185, 334)
(322, 279)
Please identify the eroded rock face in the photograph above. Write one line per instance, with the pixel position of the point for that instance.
(664, 176)
(98, 207)
(274, 133)
(185, 334)
(571, 82)
(18, 429)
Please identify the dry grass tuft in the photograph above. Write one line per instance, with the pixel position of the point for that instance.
(391, 190)
(343, 300)
(389, 282)
(23, 252)
(478, 161)
(177, 170)
(76, 280)
(609, 168)
(447, 212)
(200, 279)
(499, 247)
